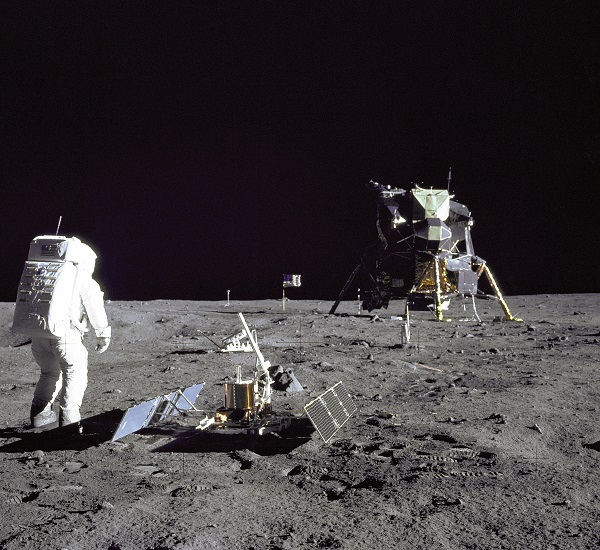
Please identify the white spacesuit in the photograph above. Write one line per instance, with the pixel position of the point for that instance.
(58, 299)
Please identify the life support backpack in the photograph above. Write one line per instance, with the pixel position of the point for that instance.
(46, 289)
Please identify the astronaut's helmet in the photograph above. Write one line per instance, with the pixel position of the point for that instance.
(81, 255)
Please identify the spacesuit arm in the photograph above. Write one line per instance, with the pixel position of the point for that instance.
(93, 302)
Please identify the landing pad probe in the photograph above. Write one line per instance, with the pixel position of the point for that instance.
(157, 409)
(330, 411)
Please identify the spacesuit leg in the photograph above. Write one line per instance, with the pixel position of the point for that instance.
(73, 359)
(48, 385)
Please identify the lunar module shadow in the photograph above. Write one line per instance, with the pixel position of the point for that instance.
(193, 441)
(95, 430)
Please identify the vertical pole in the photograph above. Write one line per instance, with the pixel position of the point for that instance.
(405, 336)
(227, 304)
(359, 304)
(283, 299)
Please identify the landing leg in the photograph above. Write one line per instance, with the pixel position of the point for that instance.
(438, 291)
(483, 268)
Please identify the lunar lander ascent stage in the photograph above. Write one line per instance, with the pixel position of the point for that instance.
(425, 253)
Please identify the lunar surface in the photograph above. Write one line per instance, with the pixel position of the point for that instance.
(475, 434)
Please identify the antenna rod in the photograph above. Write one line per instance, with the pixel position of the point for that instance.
(58, 226)
(449, 177)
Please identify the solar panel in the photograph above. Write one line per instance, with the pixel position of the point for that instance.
(330, 411)
(157, 409)
(344, 398)
(136, 418)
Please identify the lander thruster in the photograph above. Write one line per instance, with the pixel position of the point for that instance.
(425, 253)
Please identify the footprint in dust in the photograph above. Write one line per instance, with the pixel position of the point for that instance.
(151, 470)
(74, 467)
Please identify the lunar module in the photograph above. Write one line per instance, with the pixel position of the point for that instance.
(425, 253)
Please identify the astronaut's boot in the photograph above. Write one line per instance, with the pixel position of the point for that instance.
(42, 416)
(70, 418)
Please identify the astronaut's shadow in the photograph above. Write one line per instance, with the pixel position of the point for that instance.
(95, 430)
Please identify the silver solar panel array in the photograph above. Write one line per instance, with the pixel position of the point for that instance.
(157, 409)
(330, 411)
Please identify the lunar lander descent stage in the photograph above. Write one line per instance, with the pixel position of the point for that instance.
(425, 253)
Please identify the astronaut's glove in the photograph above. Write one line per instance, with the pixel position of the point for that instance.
(102, 344)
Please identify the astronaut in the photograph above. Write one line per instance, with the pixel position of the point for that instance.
(57, 331)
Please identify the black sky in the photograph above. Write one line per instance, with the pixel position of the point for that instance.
(205, 146)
